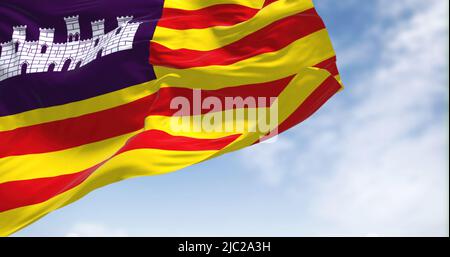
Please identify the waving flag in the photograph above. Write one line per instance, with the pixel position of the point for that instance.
(96, 91)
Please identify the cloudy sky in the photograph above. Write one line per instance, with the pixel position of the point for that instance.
(372, 162)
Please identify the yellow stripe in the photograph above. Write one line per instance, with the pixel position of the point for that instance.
(338, 78)
(57, 163)
(305, 52)
(216, 37)
(79, 108)
(199, 4)
(143, 162)
(175, 126)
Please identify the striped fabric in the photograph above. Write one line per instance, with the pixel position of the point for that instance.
(63, 136)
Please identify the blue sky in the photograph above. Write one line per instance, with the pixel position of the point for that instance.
(373, 161)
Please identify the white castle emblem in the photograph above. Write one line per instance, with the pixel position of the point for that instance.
(19, 56)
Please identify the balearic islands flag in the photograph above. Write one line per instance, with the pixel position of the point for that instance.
(94, 92)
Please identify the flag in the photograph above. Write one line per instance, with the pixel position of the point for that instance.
(94, 92)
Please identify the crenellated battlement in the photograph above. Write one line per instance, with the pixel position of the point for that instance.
(20, 56)
(46, 30)
(123, 20)
(20, 27)
(70, 18)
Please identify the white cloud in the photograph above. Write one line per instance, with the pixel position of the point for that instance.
(374, 160)
(94, 230)
(272, 157)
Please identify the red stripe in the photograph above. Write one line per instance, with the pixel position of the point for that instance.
(156, 139)
(318, 98)
(21, 193)
(329, 65)
(15, 194)
(265, 90)
(271, 38)
(72, 132)
(217, 15)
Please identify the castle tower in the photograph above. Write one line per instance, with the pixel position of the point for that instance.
(121, 21)
(19, 34)
(73, 28)
(46, 36)
(18, 37)
(98, 28)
